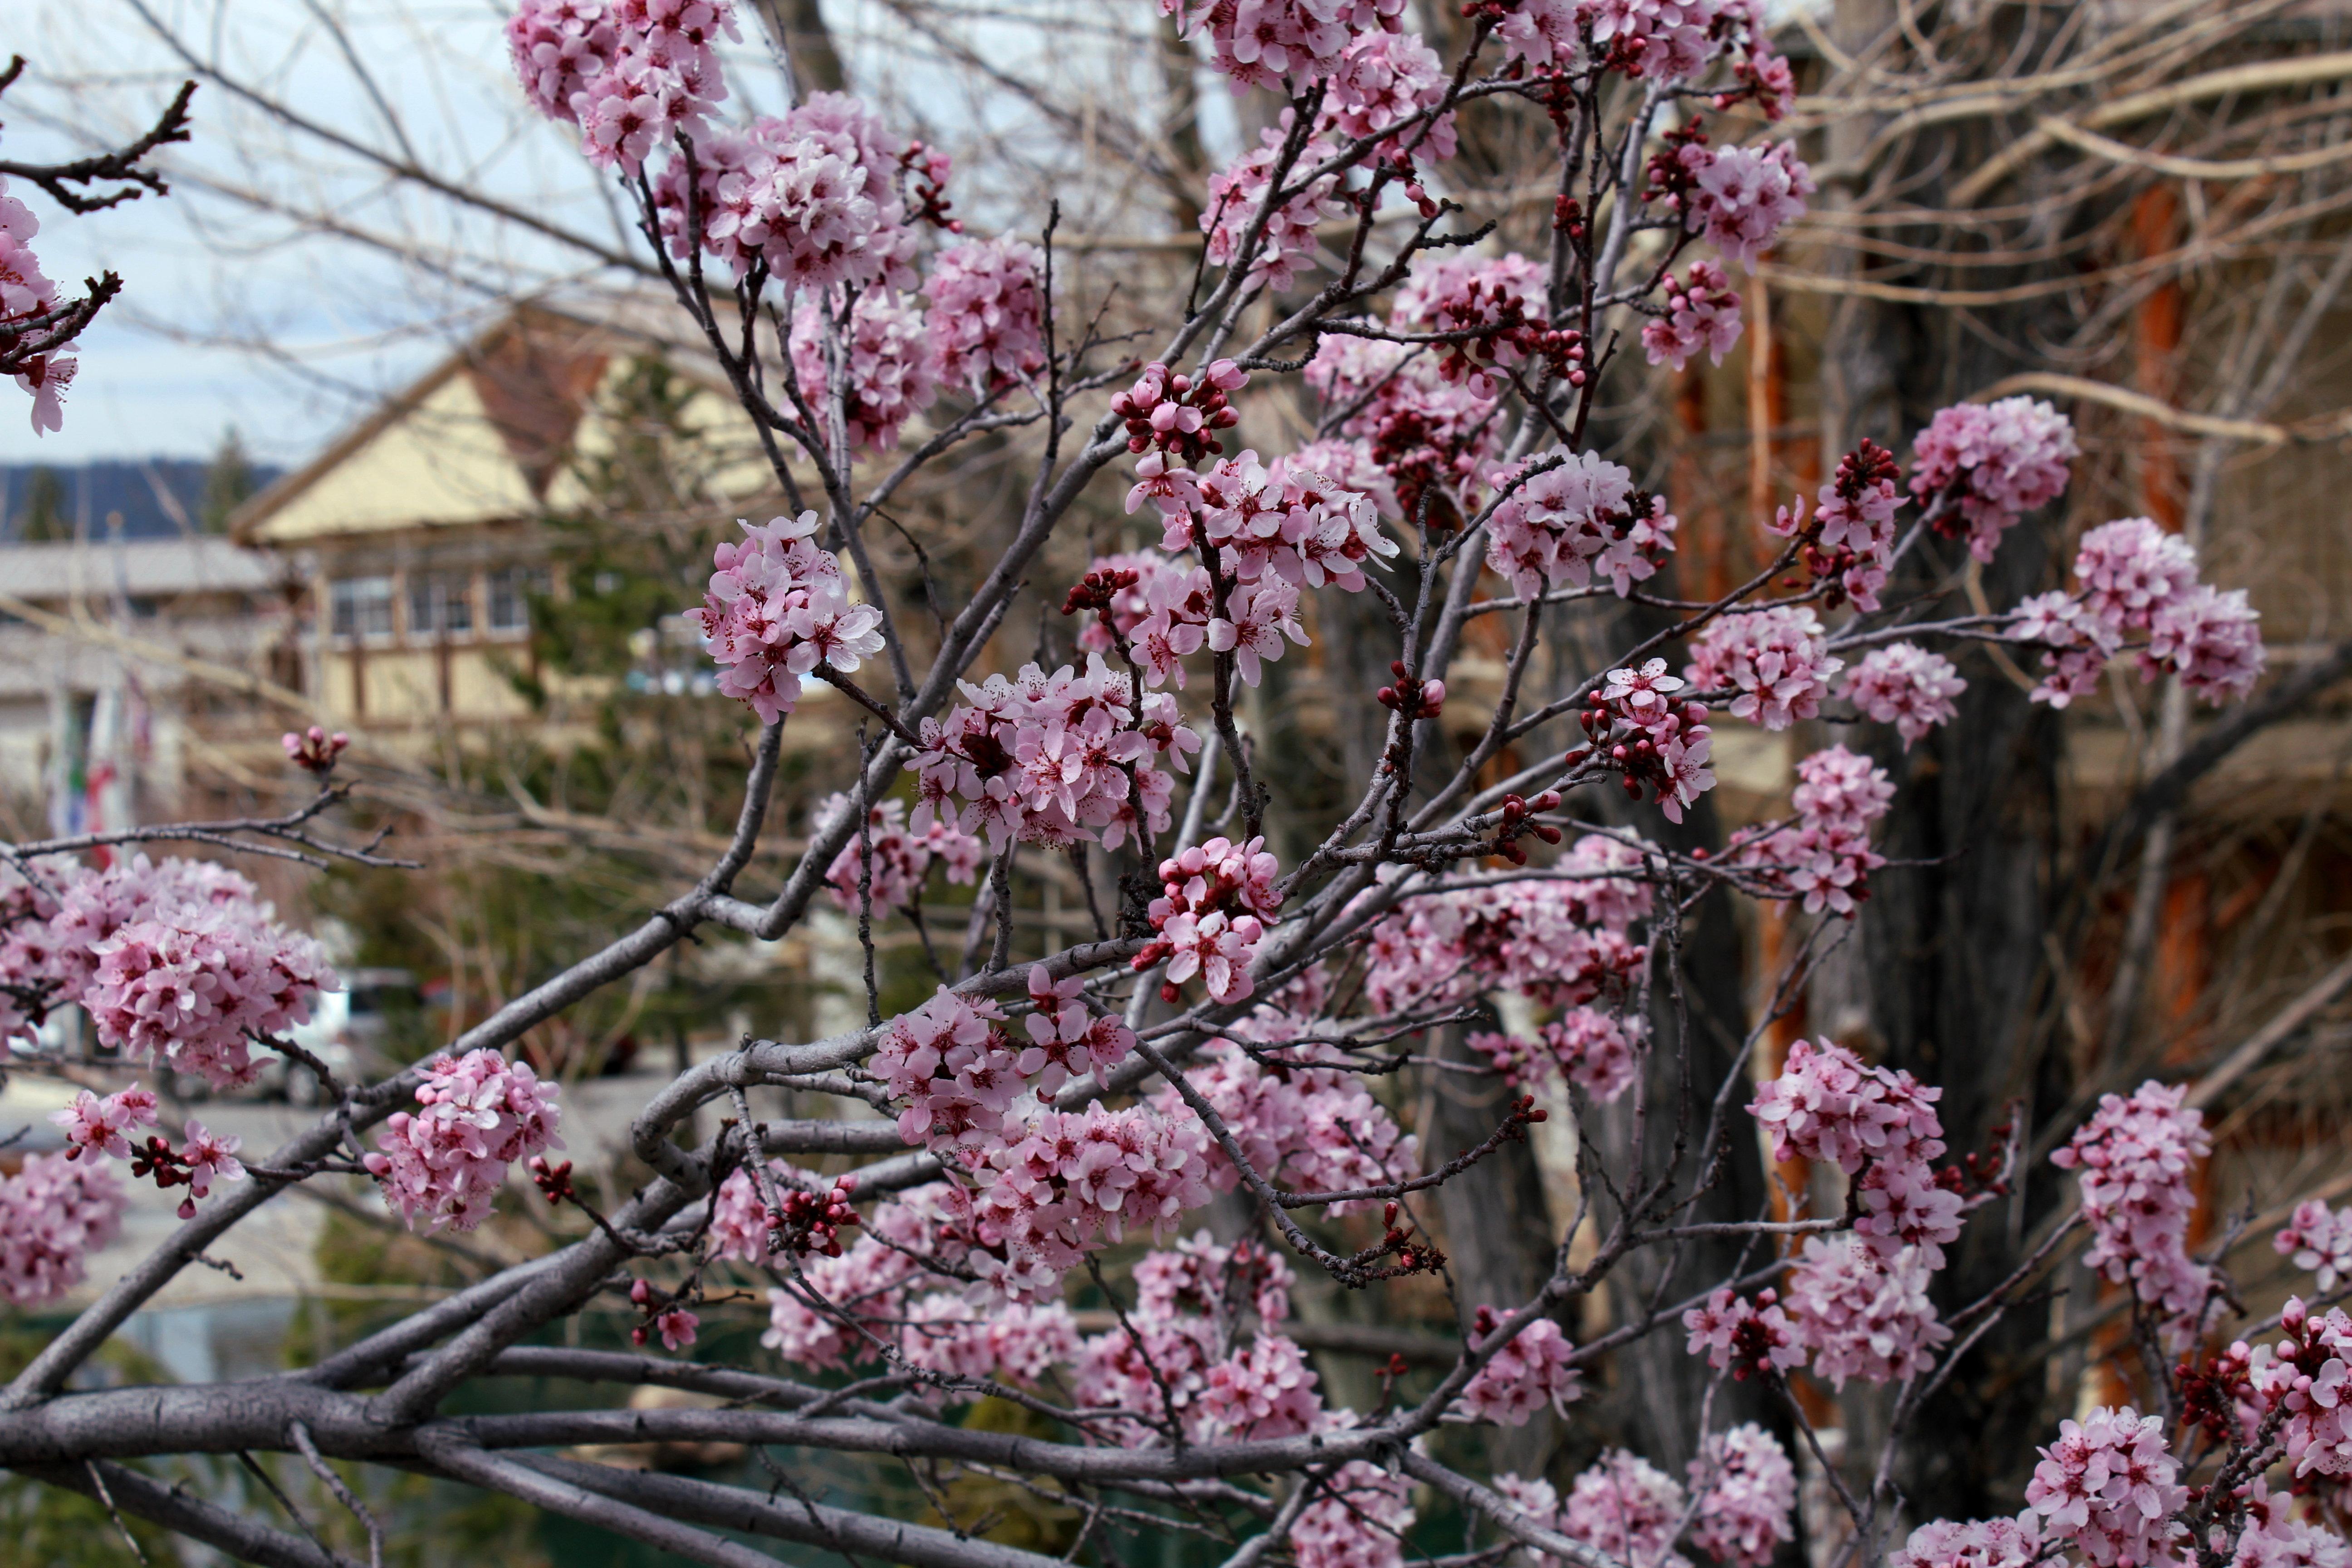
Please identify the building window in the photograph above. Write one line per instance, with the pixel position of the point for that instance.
(511, 588)
(440, 605)
(361, 607)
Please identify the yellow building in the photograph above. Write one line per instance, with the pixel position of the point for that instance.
(420, 531)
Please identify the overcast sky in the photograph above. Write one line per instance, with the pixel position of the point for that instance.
(231, 316)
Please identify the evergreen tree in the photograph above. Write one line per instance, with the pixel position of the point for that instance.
(42, 519)
(227, 483)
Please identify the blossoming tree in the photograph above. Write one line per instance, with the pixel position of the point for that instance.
(1065, 1124)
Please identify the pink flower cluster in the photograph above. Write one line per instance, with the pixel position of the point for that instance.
(1287, 523)
(1053, 759)
(1904, 685)
(1777, 660)
(902, 859)
(1499, 298)
(810, 194)
(1701, 312)
(1214, 899)
(777, 609)
(54, 1213)
(1409, 421)
(1746, 1492)
(179, 959)
(1078, 1181)
(1978, 468)
(886, 353)
(1594, 1050)
(1382, 79)
(1018, 1342)
(2312, 1378)
(476, 1114)
(1239, 191)
(1657, 41)
(1555, 528)
(2274, 1537)
(1851, 534)
(1558, 942)
(1874, 1124)
(2137, 1161)
(1534, 1369)
(960, 1073)
(25, 294)
(629, 73)
(2138, 580)
(1860, 1314)
(2110, 1485)
(1281, 44)
(986, 315)
(864, 1288)
(1175, 419)
(1359, 1522)
(1318, 1129)
(2319, 1240)
(105, 1126)
(1746, 1338)
(1663, 744)
(1824, 857)
(191, 986)
(1981, 1544)
(1741, 197)
(1627, 1507)
(1204, 1355)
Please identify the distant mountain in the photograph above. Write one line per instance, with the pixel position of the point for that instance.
(87, 492)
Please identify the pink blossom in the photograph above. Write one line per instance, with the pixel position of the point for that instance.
(1558, 942)
(2212, 640)
(1080, 1180)
(777, 607)
(1824, 856)
(1981, 469)
(1627, 1507)
(984, 323)
(558, 45)
(476, 1114)
(2318, 1239)
(1280, 44)
(2109, 1486)
(1904, 685)
(1985, 1543)
(2136, 1160)
(1239, 191)
(1861, 1315)
(2311, 1380)
(26, 294)
(208, 1158)
(957, 1071)
(192, 985)
(1547, 533)
(1500, 298)
(885, 348)
(862, 1284)
(1532, 1371)
(1017, 1342)
(1359, 1522)
(99, 1126)
(1316, 1130)
(1382, 80)
(1777, 660)
(54, 1213)
(1265, 1390)
(1742, 1336)
(1746, 1492)
(2131, 569)
(901, 860)
(2077, 645)
(1826, 1104)
(1701, 312)
(1740, 197)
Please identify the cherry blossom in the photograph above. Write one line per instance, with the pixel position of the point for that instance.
(1904, 685)
(1849, 540)
(1861, 1315)
(2319, 1240)
(2109, 1486)
(1741, 197)
(2311, 1379)
(901, 859)
(1211, 915)
(26, 295)
(1628, 1508)
(54, 1213)
(885, 349)
(2136, 1160)
(1532, 1370)
(986, 321)
(1978, 468)
(1382, 79)
(476, 1114)
(1358, 1522)
(1777, 660)
(93, 1125)
(208, 1157)
(1558, 942)
(1238, 192)
(1747, 1491)
(629, 75)
(1279, 44)
(192, 985)
(2076, 645)
(1701, 312)
(1555, 525)
(1983, 1544)
(2212, 640)
(1591, 1050)
(1316, 1129)
(1823, 857)
(1745, 1337)
(777, 609)
(2131, 570)
(1017, 1341)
